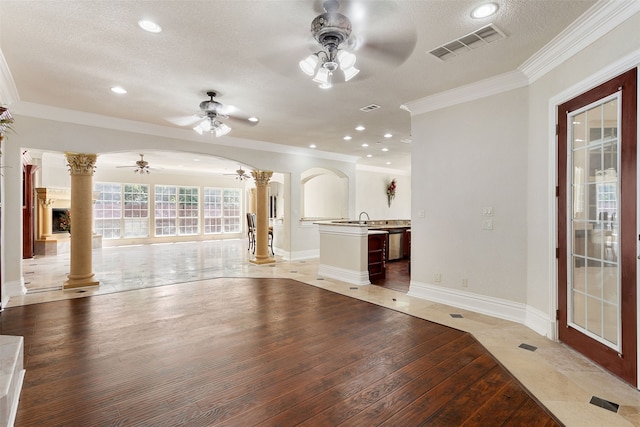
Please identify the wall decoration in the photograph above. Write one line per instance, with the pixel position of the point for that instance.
(391, 191)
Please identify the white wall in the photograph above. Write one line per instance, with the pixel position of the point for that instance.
(500, 152)
(326, 196)
(471, 157)
(609, 56)
(371, 194)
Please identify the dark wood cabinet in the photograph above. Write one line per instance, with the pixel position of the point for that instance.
(406, 240)
(27, 210)
(377, 256)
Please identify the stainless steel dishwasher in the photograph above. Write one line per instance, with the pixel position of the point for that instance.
(395, 243)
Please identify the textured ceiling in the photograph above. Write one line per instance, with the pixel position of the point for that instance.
(69, 53)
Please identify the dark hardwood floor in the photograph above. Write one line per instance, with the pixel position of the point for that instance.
(397, 277)
(241, 352)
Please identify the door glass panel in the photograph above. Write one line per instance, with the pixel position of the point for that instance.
(594, 272)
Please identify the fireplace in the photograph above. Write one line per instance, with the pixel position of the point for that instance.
(60, 220)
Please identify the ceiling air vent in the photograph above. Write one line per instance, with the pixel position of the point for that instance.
(482, 37)
(370, 108)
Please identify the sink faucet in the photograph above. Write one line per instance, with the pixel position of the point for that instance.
(360, 216)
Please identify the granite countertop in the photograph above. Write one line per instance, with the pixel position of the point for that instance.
(382, 224)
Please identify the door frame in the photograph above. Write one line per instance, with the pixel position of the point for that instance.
(625, 363)
(595, 79)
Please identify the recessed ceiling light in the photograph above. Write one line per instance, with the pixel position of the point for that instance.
(118, 89)
(149, 26)
(365, 145)
(388, 163)
(360, 128)
(253, 119)
(388, 135)
(312, 146)
(385, 149)
(484, 10)
(196, 160)
(369, 155)
(347, 138)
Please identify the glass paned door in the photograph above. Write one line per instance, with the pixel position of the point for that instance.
(597, 224)
(594, 270)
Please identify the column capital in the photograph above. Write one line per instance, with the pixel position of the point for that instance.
(47, 202)
(81, 163)
(261, 177)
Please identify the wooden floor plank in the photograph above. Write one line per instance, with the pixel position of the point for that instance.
(252, 352)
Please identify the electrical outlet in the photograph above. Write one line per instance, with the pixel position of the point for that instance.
(421, 213)
(487, 224)
(438, 277)
(487, 211)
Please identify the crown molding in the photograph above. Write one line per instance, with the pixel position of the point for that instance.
(601, 18)
(379, 169)
(598, 20)
(63, 115)
(481, 89)
(8, 89)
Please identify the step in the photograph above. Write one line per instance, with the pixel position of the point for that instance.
(11, 376)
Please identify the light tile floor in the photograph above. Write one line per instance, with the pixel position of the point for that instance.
(561, 379)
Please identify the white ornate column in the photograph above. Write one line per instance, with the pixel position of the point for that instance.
(81, 168)
(262, 218)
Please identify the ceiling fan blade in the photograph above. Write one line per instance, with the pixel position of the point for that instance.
(185, 120)
(241, 119)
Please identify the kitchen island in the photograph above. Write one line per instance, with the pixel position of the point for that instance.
(344, 248)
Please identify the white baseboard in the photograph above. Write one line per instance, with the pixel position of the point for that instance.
(12, 289)
(350, 276)
(298, 255)
(526, 315)
(495, 307)
(540, 322)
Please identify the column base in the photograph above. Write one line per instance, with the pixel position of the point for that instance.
(80, 282)
(261, 260)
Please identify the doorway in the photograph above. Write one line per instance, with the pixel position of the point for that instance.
(597, 199)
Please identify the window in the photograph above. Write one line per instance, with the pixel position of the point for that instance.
(212, 210)
(231, 210)
(124, 211)
(187, 211)
(165, 210)
(176, 210)
(136, 210)
(222, 210)
(107, 210)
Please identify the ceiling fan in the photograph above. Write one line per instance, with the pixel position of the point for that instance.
(141, 167)
(240, 174)
(212, 117)
(374, 33)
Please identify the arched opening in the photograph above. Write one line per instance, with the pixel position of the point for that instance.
(325, 194)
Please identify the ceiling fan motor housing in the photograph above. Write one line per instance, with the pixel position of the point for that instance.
(331, 27)
(210, 105)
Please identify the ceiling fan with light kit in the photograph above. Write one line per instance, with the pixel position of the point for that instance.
(141, 167)
(213, 116)
(240, 174)
(372, 33)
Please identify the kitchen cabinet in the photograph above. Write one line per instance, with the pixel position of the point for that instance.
(377, 255)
